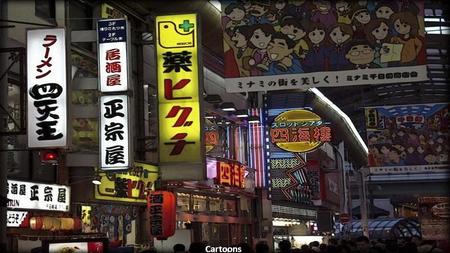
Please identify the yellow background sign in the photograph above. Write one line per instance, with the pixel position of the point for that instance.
(128, 186)
(180, 135)
(299, 131)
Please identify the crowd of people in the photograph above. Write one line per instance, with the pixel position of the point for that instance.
(359, 245)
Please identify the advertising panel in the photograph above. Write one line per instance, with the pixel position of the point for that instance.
(112, 55)
(15, 218)
(302, 44)
(129, 186)
(28, 195)
(434, 215)
(46, 88)
(179, 86)
(114, 133)
(408, 138)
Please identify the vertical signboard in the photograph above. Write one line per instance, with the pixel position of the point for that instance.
(112, 55)
(181, 149)
(114, 133)
(46, 88)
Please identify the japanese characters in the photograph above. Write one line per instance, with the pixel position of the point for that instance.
(114, 132)
(47, 109)
(326, 41)
(27, 195)
(178, 91)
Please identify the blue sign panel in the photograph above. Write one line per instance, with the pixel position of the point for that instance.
(112, 30)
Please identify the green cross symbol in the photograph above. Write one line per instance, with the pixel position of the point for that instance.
(186, 26)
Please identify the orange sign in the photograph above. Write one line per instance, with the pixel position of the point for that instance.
(230, 174)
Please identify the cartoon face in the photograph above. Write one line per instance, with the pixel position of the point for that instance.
(259, 39)
(338, 37)
(420, 149)
(363, 17)
(237, 14)
(381, 32)
(384, 12)
(384, 150)
(239, 39)
(257, 10)
(316, 36)
(342, 6)
(430, 159)
(361, 54)
(280, 4)
(402, 28)
(293, 32)
(322, 6)
(410, 150)
(278, 49)
(443, 158)
(298, 2)
(393, 156)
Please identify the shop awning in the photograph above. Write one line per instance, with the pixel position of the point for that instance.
(386, 228)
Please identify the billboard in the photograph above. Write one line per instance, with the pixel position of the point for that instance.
(434, 215)
(46, 88)
(408, 138)
(128, 186)
(35, 196)
(181, 145)
(321, 43)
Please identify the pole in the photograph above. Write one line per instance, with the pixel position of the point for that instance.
(3, 118)
(363, 204)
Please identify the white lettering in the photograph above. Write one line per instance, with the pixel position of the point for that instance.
(223, 249)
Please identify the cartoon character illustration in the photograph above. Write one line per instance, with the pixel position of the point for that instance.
(296, 31)
(385, 9)
(259, 37)
(343, 10)
(298, 9)
(323, 13)
(317, 57)
(281, 55)
(257, 13)
(281, 8)
(361, 54)
(360, 18)
(407, 27)
(340, 35)
(237, 52)
(377, 33)
(234, 15)
(394, 158)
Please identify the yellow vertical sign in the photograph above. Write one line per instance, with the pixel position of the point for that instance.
(180, 135)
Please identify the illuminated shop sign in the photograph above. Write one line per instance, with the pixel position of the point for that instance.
(129, 186)
(112, 55)
(212, 137)
(299, 131)
(46, 88)
(179, 86)
(15, 218)
(162, 208)
(230, 174)
(114, 132)
(28, 195)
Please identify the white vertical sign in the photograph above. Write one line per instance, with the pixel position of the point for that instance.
(46, 88)
(114, 132)
(112, 55)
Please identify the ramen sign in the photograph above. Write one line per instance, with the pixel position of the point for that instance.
(299, 131)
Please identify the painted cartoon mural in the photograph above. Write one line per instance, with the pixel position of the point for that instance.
(408, 138)
(321, 43)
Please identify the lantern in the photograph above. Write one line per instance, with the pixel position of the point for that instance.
(54, 223)
(162, 209)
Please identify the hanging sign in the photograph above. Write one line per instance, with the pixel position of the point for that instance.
(28, 195)
(179, 86)
(299, 131)
(114, 133)
(230, 174)
(46, 88)
(15, 218)
(112, 54)
(129, 186)
(162, 208)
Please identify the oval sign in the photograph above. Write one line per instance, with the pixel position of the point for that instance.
(299, 131)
